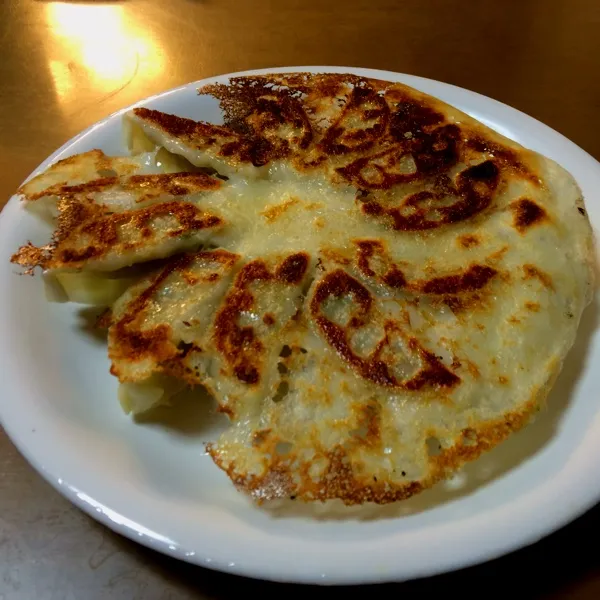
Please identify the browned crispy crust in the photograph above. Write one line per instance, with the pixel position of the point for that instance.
(88, 230)
(72, 165)
(527, 214)
(533, 272)
(340, 481)
(339, 283)
(225, 141)
(131, 341)
(79, 221)
(379, 125)
(239, 345)
(472, 278)
(381, 135)
(153, 186)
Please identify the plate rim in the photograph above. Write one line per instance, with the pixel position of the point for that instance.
(119, 523)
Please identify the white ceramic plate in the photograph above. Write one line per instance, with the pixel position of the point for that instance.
(154, 483)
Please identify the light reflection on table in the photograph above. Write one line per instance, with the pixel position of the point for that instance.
(103, 47)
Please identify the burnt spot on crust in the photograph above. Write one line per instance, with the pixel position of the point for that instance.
(186, 348)
(272, 118)
(506, 157)
(337, 284)
(474, 278)
(468, 241)
(472, 190)
(366, 107)
(245, 372)
(394, 278)
(533, 272)
(293, 268)
(526, 214)
(239, 345)
(532, 306)
(410, 118)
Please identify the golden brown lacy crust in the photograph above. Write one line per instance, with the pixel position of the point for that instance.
(382, 136)
(341, 481)
(30, 256)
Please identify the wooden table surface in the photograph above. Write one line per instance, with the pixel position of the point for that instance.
(64, 65)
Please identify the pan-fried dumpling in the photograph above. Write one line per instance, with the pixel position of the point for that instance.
(111, 223)
(209, 318)
(41, 192)
(202, 144)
